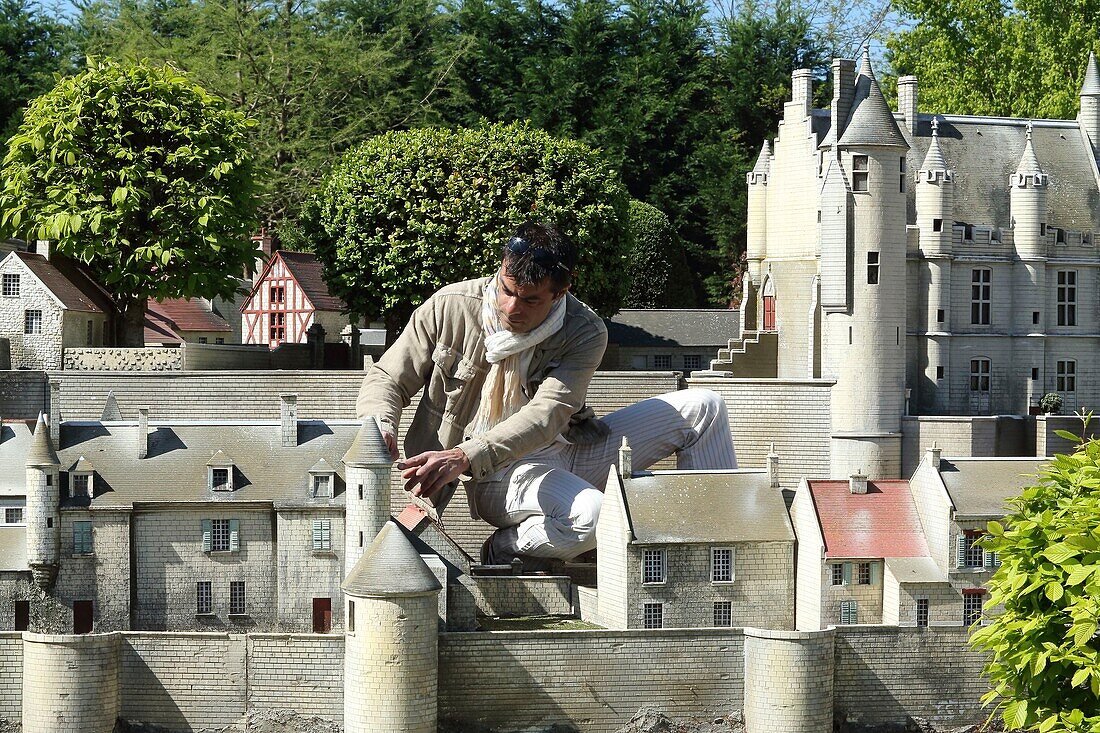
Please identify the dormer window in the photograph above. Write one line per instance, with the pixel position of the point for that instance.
(220, 472)
(322, 478)
(81, 479)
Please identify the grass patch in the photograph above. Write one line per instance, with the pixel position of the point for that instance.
(534, 623)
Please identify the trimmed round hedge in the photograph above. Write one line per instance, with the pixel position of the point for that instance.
(658, 267)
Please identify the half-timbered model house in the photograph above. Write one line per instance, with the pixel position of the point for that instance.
(288, 298)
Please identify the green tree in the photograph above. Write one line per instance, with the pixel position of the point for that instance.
(1021, 59)
(407, 212)
(141, 174)
(1045, 665)
(33, 46)
(659, 275)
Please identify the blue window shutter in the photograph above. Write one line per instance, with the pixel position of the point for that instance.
(876, 573)
(987, 556)
(316, 534)
(847, 573)
(207, 536)
(960, 551)
(855, 612)
(234, 535)
(326, 534)
(996, 559)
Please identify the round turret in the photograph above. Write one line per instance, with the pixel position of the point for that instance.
(43, 510)
(1089, 116)
(756, 229)
(367, 499)
(1028, 186)
(391, 650)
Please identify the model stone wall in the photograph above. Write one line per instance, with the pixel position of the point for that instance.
(1047, 443)
(299, 672)
(944, 604)
(793, 414)
(87, 669)
(11, 675)
(214, 356)
(102, 577)
(934, 509)
(887, 675)
(762, 592)
(305, 573)
(868, 596)
(172, 560)
(531, 596)
(977, 436)
(593, 679)
(183, 681)
(151, 359)
(22, 394)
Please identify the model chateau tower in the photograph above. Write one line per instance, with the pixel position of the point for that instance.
(367, 466)
(927, 264)
(43, 507)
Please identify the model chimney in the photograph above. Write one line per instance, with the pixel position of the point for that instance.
(907, 101)
(773, 466)
(934, 455)
(42, 247)
(143, 432)
(288, 419)
(857, 482)
(55, 411)
(626, 460)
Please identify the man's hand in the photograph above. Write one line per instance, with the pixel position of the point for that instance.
(391, 445)
(429, 472)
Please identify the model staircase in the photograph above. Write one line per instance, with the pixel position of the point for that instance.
(755, 354)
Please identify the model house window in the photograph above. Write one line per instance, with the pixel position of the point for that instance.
(723, 613)
(849, 613)
(1042, 229)
(940, 315)
(1059, 236)
(219, 479)
(322, 486)
(692, 362)
(653, 566)
(90, 333)
(204, 597)
(864, 573)
(82, 538)
(859, 173)
(721, 565)
(202, 339)
(662, 361)
(277, 326)
(1067, 375)
(278, 294)
(1034, 318)
(939, 372)
(972, 608)
(901, 178)
(653, 615)
(979, 375)
(236, 598)
(219, 341)
(922, 612)
(82, 485)
(937, 225)
(968, 553)
(32, 322)
(322, 534)
(981, 286)
(872, 268)
(1034, 374)
(10, 286)
(13, 515)
(221, 535)
(351, 617)
(1086, 239)
(968, 232)
(1067, 297)
(837, 573)
(995, 236)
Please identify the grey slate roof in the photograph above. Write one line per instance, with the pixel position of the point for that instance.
(42, 450)
(985, 151)
(933, 159)
(176, 466)
(684, 507)
(979, 487)
(870, 121)
(1091, 84)
(391, 566)
(13, 549)
(368, 448)
(673, 327)
(15, 444)
(915, 570)
(1028, 162)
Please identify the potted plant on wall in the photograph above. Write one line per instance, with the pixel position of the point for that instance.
(1051, 403)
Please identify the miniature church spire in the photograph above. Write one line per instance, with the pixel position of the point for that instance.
(1090, 87)
(1029, 162)
(42, 453)
(934, 160)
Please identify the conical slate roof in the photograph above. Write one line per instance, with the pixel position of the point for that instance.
(110, 408)
(391, 566)
(764, 162)
(871, 122)
(1029, 162)
(369, 447)
(42, 453)
(934, 160)
(1091, 86)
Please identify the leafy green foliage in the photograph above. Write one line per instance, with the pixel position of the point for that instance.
(142, 175)
(659, 275)
(1050, 403)
(1045, 666)
(1021, 59)
(407, 212)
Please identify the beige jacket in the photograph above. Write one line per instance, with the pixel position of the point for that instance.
(442, 349)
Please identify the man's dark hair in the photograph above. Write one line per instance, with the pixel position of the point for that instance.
(537, 251)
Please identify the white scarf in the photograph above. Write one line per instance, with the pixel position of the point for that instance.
(509, 355)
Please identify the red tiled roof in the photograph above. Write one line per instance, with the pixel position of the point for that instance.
(159, 330)
(881, 523)
(69, 282)
(189, 314)
(307, 271)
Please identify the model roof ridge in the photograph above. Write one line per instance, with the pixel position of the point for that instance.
(935, 160)
(1090, 87)
(871, 122)
(391, 566)
(42, 453)
(1029, 162)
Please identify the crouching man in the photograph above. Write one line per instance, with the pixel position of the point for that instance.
(505, 362)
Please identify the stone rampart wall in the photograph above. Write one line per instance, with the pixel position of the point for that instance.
(978, 436)
(11, 675)
(214, 357)
(533, 596)
(1047, 443)
(152, 359)
(303, 672)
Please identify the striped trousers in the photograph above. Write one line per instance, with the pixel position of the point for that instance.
(547, 504)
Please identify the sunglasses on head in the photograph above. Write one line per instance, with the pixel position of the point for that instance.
(542, 257)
